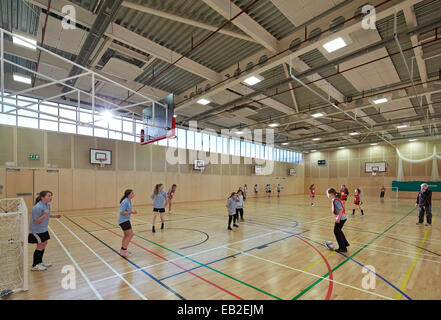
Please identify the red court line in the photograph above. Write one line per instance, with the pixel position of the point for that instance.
(161, 257)
(331, 282)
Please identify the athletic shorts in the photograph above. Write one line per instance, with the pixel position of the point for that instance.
(126, 225)
(38, 237)
(312, 195)
(358, 203)
(160, 210)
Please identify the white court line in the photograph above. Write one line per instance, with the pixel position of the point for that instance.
(77, 266)
(311, 274)
(190, 255)
(103, 261)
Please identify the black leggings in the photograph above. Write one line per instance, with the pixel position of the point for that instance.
(239, 211)
(233, 217)
(339, 235)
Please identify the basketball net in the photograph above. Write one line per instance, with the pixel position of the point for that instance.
(374, 172)
(102, 164)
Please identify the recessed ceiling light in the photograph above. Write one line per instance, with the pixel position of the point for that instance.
(273, 125)
(285, 143)
(378, 101)
(374, 144)
(412, 140)
(354, 133)
(341, 147)
(313, 150)
(315, 139)
(24, 41)
(401, 126)
(203, 101)
(20, 78)
(318, 115)
(239, 132)
(334, 45)
(253, 80)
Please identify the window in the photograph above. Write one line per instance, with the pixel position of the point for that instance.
(270, 153)
(100, 132)
(198, 141)
(115, 124)
(242, 148)
(85, 118)
(205, 142)
(247, 149)
(163, 142)
(182, 138)
(190, 140)
(213, 145)
(253, 150)
(48, 122)
(219, 144)
(10, 118)
(225, 144)
(67, 113)
(237, 147)
(28, 118)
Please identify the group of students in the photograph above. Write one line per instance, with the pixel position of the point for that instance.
(267, 190)
(344, 193)
(235, 207)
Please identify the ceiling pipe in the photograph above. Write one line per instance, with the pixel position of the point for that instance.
(42, 42)
(247, 98)
(197, 45)
(408, 71)
(337, 107)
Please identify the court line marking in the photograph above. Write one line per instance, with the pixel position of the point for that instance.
(354, 254)
(220, 272)
(129, 261)
(361, 244)
(189, 255)
(98, 295)
(313, 274)
(103, 261)
(409, 272)
(176, 265)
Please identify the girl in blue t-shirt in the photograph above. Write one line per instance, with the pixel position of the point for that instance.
(125, 210)
(231, 207)
(160, 199)
(41, 212)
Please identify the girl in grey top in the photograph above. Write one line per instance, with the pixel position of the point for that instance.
(160, 199)
(231, 207)
(239, 206)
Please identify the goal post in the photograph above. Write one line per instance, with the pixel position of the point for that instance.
(13, 246)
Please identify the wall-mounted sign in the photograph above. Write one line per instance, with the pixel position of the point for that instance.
(32, 156)
(292, 172)
(321, 162)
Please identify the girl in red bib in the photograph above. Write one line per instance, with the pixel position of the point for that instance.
(357, 202)
(170, 194)
(312, 194)
(338, 210)
(344, 192)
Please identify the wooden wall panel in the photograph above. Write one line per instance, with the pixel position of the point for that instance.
(82, 145)
(48, 180)
(125, 155)
(143, 188)
(105, 186)
(30, 141)
(58, 150)
(84, 189)
(6, 144)
(65, 178)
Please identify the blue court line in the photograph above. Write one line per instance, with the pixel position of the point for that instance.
(207, 236)
(128, 260)
(233, 255)
(379, 276)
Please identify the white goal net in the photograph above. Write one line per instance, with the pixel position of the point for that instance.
(13, 246)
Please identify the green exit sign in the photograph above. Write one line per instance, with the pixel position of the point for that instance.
(33, 156)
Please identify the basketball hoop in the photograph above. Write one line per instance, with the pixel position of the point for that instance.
(101, 160)
(374, 172)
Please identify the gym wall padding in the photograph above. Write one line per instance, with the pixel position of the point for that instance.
(435, 186)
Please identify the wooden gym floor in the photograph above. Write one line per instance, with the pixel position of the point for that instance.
(276, 253)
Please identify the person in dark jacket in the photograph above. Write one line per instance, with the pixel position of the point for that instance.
(424, 201)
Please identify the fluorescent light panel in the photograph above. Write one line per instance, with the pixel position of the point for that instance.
(318, 115)
(315, 139)
(18, 40)
(334, 45)
(203, 101)
(401, 126)
(251, 81)
(23, 79)
(273, 125)
(412, 140)
(354, 133)
(378, 101)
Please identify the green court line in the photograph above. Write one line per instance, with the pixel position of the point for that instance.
(348, 258)
(203, 265)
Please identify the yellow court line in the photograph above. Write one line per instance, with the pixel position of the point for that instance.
(357, 238)
(409, 272)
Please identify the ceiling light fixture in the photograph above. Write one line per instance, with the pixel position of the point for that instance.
(401, 126)
(378, 101)
(315, 139)
(203, 101)
(334, 45)
(22, 41)
(20, 78)
(354, 133)
(251, 81)
(318, 115)
(273, 125)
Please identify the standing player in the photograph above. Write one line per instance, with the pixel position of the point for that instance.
(424, 201)
(338, 210)
(159, 198)
(239, 205)
(279, 187)
(256, 190)
(357, 202)
(231, 207)
(344, 193)
(312, 194)
(383, 190)
(245, 192)
(125, 210)
(268, 190)
(41, 212)
(170, 194)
